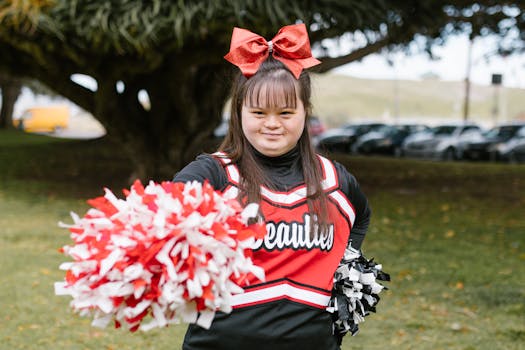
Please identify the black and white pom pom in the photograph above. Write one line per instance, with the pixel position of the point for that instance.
(355, 292)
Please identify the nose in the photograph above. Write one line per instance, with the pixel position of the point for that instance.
(272, 122)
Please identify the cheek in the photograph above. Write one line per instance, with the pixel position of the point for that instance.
(298, 127)
(248, 125)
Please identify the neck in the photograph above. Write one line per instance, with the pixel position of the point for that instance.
(283, 159)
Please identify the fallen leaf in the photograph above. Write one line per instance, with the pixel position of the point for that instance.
(450, 234)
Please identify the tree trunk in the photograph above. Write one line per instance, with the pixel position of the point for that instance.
(10, 91)
(186, 106)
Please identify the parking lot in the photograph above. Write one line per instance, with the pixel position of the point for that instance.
(446, 142)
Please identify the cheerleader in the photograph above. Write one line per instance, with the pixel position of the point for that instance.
(312, 207)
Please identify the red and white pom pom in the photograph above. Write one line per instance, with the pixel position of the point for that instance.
(173, 251)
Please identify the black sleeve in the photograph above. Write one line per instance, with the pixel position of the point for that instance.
(204, 167)
(351, 189)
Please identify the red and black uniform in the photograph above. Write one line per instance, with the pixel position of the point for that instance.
(287, 311)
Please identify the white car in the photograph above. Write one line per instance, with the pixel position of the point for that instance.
(512, 150)
(441, 142)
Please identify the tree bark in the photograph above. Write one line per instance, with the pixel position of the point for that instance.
(186, 94)
(10, 91)
(186, 106)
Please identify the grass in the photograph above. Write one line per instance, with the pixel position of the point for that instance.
(451, 235)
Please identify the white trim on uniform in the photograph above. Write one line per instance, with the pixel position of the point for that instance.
(233, 174)
(344, 204)
(284, 198)
(330, 182)
(222, 157)
(280, 291)
(330, 175)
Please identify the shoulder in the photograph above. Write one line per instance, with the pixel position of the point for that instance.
(344, 173)
(347, 182)
(204, 168)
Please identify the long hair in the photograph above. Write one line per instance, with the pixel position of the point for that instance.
(275, 85)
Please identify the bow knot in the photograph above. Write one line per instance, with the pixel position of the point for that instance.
(270, 46)
(291, 46)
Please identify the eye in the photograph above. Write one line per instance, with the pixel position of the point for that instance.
(257, 112)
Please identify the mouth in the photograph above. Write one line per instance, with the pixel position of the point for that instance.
(272, 137)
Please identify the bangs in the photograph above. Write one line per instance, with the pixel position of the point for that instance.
(277, 90)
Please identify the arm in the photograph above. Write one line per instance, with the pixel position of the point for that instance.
(350, 187)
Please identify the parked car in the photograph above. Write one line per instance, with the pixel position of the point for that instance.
(387, 139)
(512, 150)
(484, 149)
(441, 142)
(341, 139)
(43, 119)
(315, 126)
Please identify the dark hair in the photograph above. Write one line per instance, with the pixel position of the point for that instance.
(276, 85)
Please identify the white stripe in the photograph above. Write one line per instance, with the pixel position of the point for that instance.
(281, 290)
(330, 175)
(222, 157)
(300, 194)
(284, 198)
(344, 205)
(233, 173)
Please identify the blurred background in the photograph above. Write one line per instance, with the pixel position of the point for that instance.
(407, 85)
(422, 101)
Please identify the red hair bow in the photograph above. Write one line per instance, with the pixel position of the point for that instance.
(291, 46)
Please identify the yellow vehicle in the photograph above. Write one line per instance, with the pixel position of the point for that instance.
(43, 119)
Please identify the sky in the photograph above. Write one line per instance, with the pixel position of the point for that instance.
(452, 66)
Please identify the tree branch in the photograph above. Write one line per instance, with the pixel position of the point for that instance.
(20, 64)
(329, 63)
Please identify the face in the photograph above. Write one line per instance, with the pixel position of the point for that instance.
(273, 131)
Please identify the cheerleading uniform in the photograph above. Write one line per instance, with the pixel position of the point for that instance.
(288, 310)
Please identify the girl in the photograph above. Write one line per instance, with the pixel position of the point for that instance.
(312, 207)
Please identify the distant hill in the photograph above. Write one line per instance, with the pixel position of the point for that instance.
(339, 99)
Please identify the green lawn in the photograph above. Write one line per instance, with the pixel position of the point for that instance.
(451, 235)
